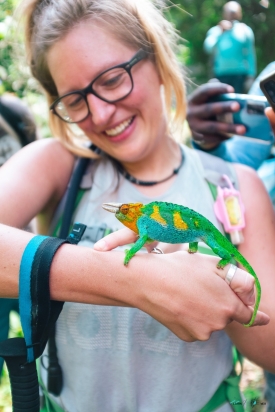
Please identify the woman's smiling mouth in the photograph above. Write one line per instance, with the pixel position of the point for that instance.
(119, 129)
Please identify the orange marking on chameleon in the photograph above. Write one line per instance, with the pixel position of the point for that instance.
(179, 223)
(156, 216)
(131, 225)
(133, 212)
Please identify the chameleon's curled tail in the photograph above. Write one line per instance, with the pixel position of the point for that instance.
(240, 259)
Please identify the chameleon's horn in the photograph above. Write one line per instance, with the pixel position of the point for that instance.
(112, 207)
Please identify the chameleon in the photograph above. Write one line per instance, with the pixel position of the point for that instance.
(172, 223)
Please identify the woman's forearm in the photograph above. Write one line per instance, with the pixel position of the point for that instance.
(12, 244)
(257, 344)
(76, 273)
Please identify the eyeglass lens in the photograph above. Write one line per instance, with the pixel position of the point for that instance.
(113, 85)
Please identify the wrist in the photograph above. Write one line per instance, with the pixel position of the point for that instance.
(88, 276)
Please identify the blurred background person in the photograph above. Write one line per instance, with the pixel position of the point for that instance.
(17, 129)
(231, 46)
(17, 126)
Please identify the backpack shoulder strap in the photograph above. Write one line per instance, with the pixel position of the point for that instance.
(215, 167)
(71, 196)
(61, 228)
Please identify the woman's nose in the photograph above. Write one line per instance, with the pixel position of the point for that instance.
(101, 111)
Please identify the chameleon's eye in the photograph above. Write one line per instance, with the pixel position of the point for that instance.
(124, 209)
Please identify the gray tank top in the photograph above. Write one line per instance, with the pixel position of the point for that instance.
(117, 359)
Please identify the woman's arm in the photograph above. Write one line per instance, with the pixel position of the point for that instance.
(33, 181)
(258, 248)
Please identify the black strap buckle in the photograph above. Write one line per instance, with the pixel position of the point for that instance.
(76, 233)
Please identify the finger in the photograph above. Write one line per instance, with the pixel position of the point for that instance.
(269, 111)
(208, 141)
(245, 316)
(150, 246)
(242, 314)
(210, 109)
(242, 284)
(204, 92)
(217, 128)
(119, 238)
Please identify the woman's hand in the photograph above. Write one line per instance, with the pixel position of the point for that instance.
(207, 132)
(183, 291)
(242, 283)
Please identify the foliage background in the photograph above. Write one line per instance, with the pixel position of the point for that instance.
(193, 18)
(15, 75)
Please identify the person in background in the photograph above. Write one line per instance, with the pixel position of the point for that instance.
(17, 126)
(17, 129)
(231, 47)
(210, 135)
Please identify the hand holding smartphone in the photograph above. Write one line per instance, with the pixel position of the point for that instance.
(251, 114)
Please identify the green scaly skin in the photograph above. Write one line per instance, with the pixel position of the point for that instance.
(172, 223)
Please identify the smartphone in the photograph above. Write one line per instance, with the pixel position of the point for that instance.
(267, 84)
(251, 114)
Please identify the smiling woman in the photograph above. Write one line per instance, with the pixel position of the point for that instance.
(120, 126)
(139, 27)
(126, 336)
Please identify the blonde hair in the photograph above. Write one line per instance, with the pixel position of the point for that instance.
(137, 23)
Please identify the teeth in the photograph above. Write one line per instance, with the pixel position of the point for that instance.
(119, 129)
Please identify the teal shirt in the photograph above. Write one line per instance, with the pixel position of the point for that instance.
(232, 50)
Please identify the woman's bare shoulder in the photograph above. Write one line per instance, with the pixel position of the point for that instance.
(34, 178)
(259, 213)
(249, 180)
(44, 158)
(47, 150)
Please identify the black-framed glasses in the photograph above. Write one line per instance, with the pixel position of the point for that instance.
(112, 85)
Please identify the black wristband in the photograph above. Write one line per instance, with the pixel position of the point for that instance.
(38, 312)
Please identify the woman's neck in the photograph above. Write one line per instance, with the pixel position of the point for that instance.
(157, 164)
(158, 167)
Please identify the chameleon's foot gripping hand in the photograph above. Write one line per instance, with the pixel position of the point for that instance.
(193, 247)
(128, 256)
(172, 223)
